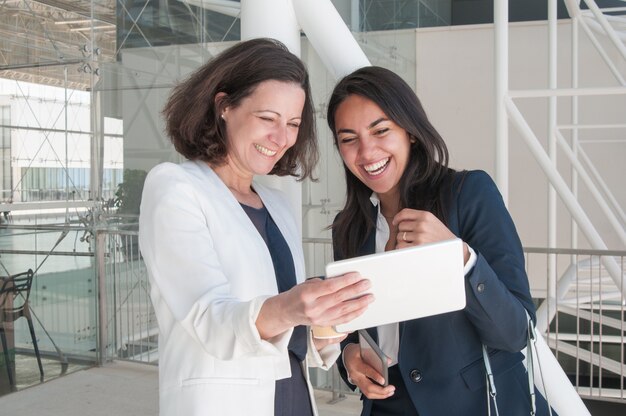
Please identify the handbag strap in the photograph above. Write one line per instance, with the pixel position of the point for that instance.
(531, 339)
(491, 385)
(530, 367)
(531, 343)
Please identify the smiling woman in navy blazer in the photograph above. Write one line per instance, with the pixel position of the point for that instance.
(223, 252)
(401, 193)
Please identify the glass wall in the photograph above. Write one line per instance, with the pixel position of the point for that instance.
(5, 153)
(163, 23)
(401, 14)
(82, 84)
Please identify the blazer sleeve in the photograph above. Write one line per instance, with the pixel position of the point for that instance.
(497, 289)
(184, 267)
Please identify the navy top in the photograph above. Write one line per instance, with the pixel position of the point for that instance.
(283, 267)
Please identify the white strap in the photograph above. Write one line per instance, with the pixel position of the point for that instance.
(532, 339)
(491, 385)
(530, 368)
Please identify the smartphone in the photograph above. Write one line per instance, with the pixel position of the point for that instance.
(373, 355)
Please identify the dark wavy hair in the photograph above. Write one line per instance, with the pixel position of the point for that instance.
(192, 117)
(427, 168)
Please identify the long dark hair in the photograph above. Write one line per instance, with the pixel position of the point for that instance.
(192, 116)
(427, 168)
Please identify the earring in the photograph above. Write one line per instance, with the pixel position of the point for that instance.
(222, 116)
(413, 140)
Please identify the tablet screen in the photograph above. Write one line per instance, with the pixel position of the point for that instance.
(408, 283)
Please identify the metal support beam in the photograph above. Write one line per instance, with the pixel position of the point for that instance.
(501, 21)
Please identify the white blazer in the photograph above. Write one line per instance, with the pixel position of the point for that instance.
(210, 272)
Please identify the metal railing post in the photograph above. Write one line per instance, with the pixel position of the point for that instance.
(102, 298)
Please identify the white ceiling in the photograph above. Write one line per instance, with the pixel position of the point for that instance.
(50, 41)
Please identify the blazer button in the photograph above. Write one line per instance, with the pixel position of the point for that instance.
(480, 288)
(416, 376)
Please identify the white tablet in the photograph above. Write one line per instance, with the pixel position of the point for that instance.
(408, 283)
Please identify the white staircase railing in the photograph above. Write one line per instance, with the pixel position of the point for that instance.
(585, 326)
(591, 292)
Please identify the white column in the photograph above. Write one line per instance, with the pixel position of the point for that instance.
(574, 226)
(552, 202)
(330, 36)
(275, 19)
(270, 19)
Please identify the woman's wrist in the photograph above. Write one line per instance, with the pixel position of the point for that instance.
(343, 360)
(272, 320)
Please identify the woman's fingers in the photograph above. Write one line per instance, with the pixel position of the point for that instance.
(364, 376)
(336, 300)
(408, 214)
(346, 311)
(372, 390)
(317, 302)
(344, 284)
(419, 227)
(333, 290)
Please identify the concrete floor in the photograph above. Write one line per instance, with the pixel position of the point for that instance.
(130, 389)
(120, 389)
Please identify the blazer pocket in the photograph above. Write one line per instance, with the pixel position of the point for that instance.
(474, 374)
(220, 380)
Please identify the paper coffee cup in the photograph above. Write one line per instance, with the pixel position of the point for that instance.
(325, 332)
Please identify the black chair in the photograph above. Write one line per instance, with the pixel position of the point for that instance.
(14, 293)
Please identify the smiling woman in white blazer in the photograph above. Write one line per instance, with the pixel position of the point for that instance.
(224, 253)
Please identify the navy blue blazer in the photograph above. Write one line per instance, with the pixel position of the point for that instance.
(440, 357)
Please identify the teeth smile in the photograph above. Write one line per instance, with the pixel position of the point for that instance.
(376, 168)
(264, 150)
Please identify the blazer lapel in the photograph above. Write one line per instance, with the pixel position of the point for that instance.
(369, 247)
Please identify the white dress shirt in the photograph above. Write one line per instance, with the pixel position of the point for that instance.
(389, 335)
